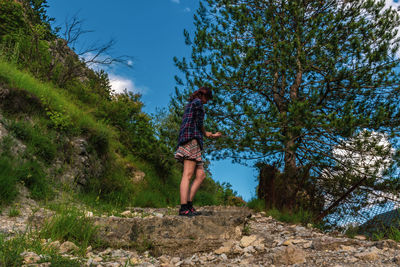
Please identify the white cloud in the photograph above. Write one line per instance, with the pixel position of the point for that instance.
(187, 9)
(119, 84)
(393, 3)
(175, 1)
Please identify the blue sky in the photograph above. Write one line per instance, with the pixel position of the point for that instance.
(151, 32)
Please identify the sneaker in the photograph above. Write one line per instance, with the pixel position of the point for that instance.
(194, 211)
(186, 213)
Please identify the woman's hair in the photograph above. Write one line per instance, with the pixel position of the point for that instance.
(202, 91)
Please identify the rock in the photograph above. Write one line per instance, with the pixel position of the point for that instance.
(371, 255)
(68, 246)
(307, 244)
(249, 249)
(127, 213)
(222, 250)
(289, 255)
(386, 244)
(105, 252)
(360, 237)
(332, 243)
(396, 259)
(174, 235)
(88, 214)
(134, 261)
(247, 240)
(287, 243)
(238, 232)
(98, 259)
(347, 248)
(224, 257)
(175, 260)
(163, 259)
(226, 247)
(54, 245)
(30, 257)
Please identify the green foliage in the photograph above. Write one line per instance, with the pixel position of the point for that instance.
(70, 224)
(8, 180)
(11, 17)
(59, 118)
(33, 176)
(351, 231)
(38, 144)
(28, 172)
(11, 249)
(299, 216)
(14, 211)
(256, 204)
(292, 81)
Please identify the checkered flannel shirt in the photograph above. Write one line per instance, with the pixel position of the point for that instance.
(192, 123)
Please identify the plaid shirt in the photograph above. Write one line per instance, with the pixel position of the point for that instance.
(192, 123)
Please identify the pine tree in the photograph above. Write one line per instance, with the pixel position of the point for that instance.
(293, 80)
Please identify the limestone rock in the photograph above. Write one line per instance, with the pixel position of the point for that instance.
(332, 243)
(30, 257)
(68, 246)
(54, 245)
(127, 213)
(360, 237)
(371, 255)
(289, 255)
(247, 240)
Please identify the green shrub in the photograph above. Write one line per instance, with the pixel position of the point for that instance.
(21, 130)
(256, 204)
(299, 216)
(43, 147)
(34, 177)
(99, 140)
(38, 143)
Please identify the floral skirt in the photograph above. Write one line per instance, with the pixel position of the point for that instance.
(189, 151)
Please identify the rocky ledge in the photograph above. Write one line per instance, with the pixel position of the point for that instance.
(222, 236)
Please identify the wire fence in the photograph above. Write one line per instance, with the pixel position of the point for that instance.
(381, 213)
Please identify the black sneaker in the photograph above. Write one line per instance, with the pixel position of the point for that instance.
(194, 211)
(186, 213)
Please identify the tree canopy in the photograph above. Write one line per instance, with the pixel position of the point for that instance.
(294, 80)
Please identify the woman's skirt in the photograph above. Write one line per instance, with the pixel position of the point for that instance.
(189, 151)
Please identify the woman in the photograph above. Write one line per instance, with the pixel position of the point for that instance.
(190, 146)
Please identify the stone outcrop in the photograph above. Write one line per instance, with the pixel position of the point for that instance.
(170, 234)
(223, 236)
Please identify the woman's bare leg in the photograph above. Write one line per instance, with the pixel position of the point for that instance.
(189, 167)
(200, 175)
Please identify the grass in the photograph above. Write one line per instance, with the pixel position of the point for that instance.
(11, 249)
(14, 211)
(8, 181)
(301, 216)
(38, 144)
(70, 224)
(58, 102)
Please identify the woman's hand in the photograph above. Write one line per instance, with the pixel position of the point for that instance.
(213, 135)
(216, 135)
